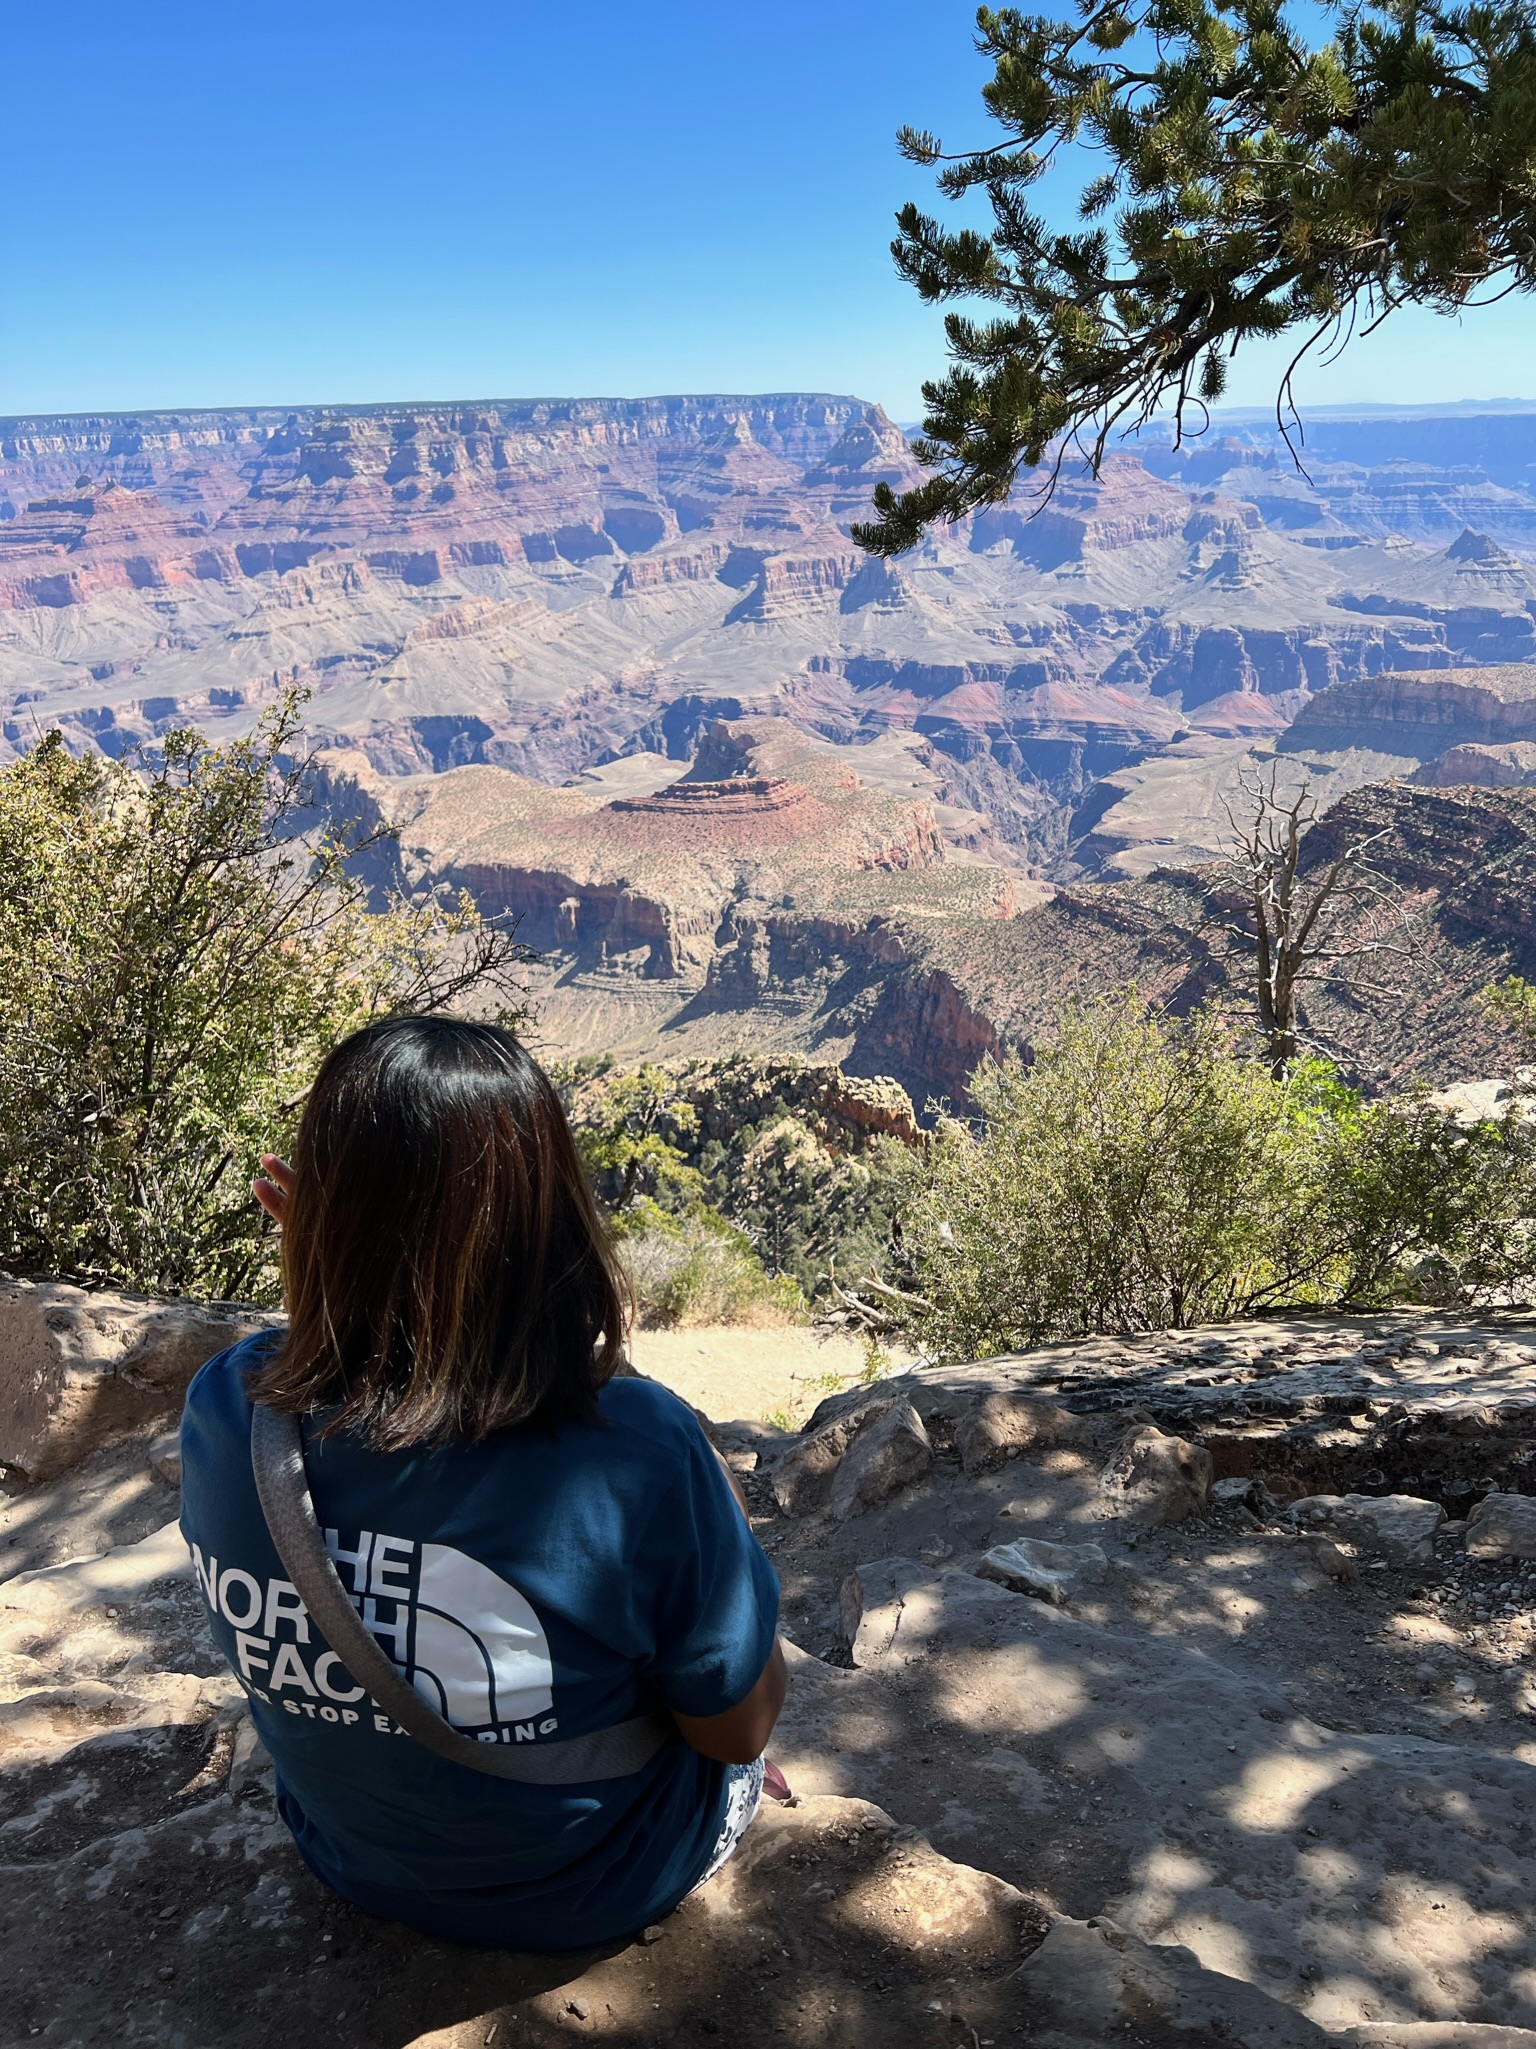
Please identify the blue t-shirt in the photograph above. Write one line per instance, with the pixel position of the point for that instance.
(536, 1585)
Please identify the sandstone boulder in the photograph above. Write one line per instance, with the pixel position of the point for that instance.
(848, 1465)
(934, 1912)
(831, 1924)
(1502, 1526)
(1054, 1572)
(76, 1368)
(1091, 1982)
(749, 1434)
(1001, 1423)
(1237, 1492)
(890, 1452)
(803, 1476)
(1398, 1527)
(1156, 1479)
(1324, 1556)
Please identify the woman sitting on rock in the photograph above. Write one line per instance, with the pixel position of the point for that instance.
(546, 1547)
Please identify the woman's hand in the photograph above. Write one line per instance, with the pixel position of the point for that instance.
(273, 1186)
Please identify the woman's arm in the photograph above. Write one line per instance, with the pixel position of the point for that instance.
(741, 1733)
(733, 1483)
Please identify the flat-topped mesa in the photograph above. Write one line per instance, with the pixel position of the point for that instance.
(751, 813)
(757, 784)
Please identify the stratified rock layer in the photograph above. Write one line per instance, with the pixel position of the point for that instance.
(544, 585)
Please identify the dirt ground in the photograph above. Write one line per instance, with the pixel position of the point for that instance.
(1314, 1794)
(776, 1373)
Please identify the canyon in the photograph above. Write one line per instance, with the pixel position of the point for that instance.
(617, 666)
(767, 901)
(1176, 1688)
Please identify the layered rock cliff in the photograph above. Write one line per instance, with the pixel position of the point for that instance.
(542, 586)
(1461, 863)
(1424, 715)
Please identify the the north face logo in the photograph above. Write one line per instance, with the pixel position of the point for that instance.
(467, 1640)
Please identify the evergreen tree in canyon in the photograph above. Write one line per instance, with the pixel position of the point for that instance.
(1244, 186)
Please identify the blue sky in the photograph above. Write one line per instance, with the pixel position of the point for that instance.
(214, 205)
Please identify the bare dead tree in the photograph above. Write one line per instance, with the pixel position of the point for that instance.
(872, 1308)
(1337, 922)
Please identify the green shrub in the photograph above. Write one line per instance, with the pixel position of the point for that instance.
(1144, 1174)
(1132, 1178)
(175, 959)
(811, 1211)
(1513, 1002)
(1415, 1204)
(692, 1267)
(631, 1129)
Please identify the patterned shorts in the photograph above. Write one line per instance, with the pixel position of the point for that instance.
(744, 1791)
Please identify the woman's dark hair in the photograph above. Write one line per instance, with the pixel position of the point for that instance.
(447, 1271)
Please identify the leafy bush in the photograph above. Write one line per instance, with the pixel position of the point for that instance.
(812, 1212)
(1411, 1202)
(175, 958)
(687, 1263)
(1131, 1178)
(1513, 1002)
(1145, 1174)
(694, 1268)
(631, 1129)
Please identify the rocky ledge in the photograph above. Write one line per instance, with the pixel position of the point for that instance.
(1169, 1692)
(1407, 1401)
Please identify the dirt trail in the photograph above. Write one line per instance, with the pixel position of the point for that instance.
(770, 1373)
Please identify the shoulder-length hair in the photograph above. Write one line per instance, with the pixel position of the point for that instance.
(447, 1271)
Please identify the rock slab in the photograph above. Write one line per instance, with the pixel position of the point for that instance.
(1502, 1526)
(849, 1465)
(1000, 1424)
(164, 1457)
(1400, 1527)
(123, 1574)
(887, 1455)
(1054, 1572)
(1090, 1982)
(76, 1368)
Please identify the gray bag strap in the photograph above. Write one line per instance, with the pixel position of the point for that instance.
(282, 1485)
